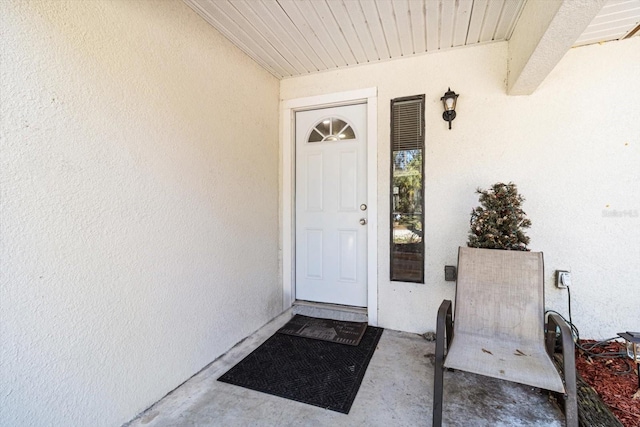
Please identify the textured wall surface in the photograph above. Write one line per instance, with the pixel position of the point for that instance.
(573, 149)
(139, 197)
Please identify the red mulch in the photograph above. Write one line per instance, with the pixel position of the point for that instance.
(616, 390)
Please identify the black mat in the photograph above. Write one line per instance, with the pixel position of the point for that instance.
(338, 331)
(306, 370)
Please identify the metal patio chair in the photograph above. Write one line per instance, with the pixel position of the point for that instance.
(498, 329)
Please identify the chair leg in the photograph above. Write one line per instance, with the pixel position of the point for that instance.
(571, 401)
(442, 328)
(437, 391)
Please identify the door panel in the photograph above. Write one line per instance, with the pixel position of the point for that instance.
(331, 241)
(348, 255)
(348, 181)
(314, 179)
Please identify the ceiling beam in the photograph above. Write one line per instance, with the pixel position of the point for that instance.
(545, 31)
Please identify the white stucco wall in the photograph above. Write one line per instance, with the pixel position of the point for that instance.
(573, 149)
(139, 197)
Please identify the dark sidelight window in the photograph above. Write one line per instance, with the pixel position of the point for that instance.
(407, 202)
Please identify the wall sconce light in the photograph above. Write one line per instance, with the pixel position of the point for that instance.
(449, 103)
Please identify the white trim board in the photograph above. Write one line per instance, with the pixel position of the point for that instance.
(287, 116)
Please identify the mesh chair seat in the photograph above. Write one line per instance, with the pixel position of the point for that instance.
(524, 363)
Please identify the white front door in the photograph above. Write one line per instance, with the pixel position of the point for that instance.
(331, 205)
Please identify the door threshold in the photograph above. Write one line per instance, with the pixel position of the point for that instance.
(330, 311)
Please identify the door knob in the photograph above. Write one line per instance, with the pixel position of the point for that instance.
(363, 221)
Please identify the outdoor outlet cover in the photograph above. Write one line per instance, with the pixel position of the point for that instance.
(450, 273)
(563, 279)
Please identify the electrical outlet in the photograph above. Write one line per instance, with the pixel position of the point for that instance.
(563, 279)
(450, 273)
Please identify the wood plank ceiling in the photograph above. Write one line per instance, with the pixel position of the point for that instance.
(617, 20)
(296, 37)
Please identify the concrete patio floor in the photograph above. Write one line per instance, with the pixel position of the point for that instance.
(396, 391)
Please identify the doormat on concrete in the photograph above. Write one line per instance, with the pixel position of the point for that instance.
(338, 331)
(319, 373)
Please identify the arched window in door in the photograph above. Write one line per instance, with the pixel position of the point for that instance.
(331, 129)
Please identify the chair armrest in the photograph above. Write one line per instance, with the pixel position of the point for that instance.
(555, 321)
(444, 325)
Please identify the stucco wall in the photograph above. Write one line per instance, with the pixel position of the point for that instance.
(573, 149)
(139, 230)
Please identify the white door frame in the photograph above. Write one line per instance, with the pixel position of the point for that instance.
(287, 122)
